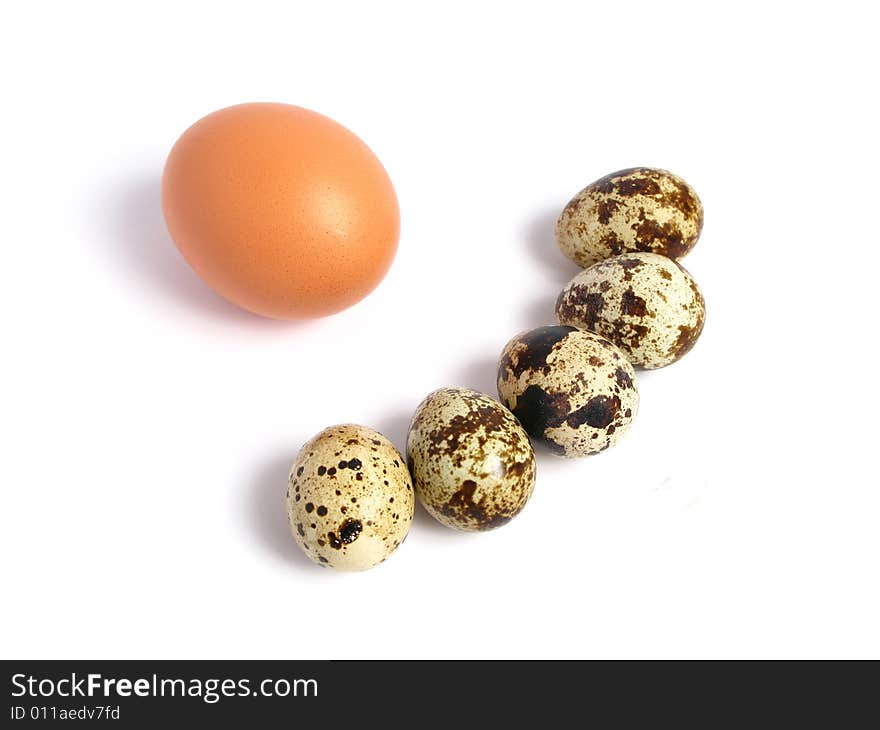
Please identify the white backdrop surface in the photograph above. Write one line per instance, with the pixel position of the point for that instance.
(149, 425)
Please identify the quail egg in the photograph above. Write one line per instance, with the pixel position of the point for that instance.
(349, 498)
(646, 304)
(570, 388)
(640, 209)
(472, 463)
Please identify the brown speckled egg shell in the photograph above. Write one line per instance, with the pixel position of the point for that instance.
(570, 388)
(472, 463)
(349, 498)
(646, 304)
(639, 209)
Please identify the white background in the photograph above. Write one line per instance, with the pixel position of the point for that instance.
(148, 425)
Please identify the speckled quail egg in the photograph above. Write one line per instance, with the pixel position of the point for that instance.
(646, 304)
(572, 389)
(640, 209)
(472, 463)
(349, 498)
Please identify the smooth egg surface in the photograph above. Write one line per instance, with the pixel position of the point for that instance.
(281, 210)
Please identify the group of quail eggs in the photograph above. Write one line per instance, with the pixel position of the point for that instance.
(572, 386)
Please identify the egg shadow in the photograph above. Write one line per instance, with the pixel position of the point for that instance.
(396, 427)
(540, 311)
(142, 247)
(540, 238)
(557, 270)
(480, 374)
(267, 513)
